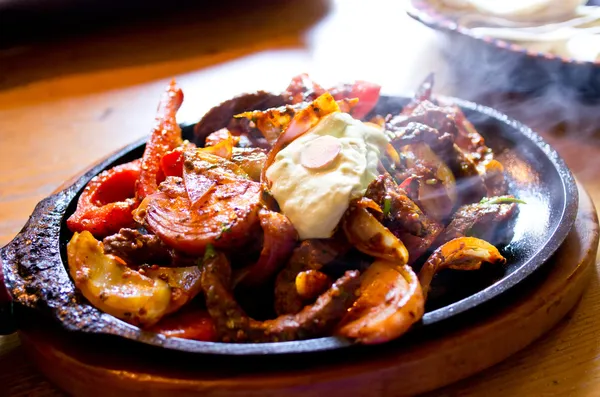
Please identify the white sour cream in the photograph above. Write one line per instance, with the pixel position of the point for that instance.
(315, 199)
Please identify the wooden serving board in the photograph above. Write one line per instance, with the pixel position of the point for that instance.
(84, 366)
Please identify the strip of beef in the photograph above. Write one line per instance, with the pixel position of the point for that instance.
(309, 255)
(404, 219)
(469, 181)
(427, 180)
(415, 132)
(221, 116)
(482, 220)
(442, 143)
(493, 176)
(233, 325)
(137, 248)
(447, 120)
(427, 113)
(468, 178)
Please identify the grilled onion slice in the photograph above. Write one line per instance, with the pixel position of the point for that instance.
(390, 302)
(139, 299)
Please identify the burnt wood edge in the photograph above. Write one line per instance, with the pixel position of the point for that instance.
(41, 282)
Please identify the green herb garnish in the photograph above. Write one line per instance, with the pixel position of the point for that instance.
(387, 206)
(209, 253)
(501, 200)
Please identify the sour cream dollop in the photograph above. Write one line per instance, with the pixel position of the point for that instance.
(315, 198)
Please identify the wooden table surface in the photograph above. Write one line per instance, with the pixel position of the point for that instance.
(67, 103)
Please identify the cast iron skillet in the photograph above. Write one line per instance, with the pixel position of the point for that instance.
(36, 273)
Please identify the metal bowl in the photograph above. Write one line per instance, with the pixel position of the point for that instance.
(506, 66)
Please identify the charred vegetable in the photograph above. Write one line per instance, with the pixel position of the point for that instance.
(165, 136)
(390, 302)
(106, 204)
(368, 235)
(217, 205)
(140, 298)
(233, 325)
(464, 253)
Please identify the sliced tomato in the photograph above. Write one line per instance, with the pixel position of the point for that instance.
(188, 324)
(172, 163)
(106, 204)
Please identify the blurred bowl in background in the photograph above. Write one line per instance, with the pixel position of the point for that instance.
(492, 65)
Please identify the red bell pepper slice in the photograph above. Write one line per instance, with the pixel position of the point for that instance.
(106, 204)
(165, 136)
(188, 324)
(367, 94)
(172, 163)
(302, 88)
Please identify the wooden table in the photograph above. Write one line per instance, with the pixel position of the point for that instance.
(65, 104)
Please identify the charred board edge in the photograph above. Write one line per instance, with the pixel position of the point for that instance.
(37, 278)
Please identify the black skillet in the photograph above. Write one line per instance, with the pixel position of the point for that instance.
(37, 279)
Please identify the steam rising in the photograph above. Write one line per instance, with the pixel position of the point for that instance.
(547, 95)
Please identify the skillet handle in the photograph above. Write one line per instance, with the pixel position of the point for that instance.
(7, 322)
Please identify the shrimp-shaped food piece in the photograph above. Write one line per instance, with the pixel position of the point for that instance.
(390, 302)
(464, 253)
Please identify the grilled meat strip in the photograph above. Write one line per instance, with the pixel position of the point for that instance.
(404, 218)
(137, 248)
(482, 220)
(309, 255)
(221, 116)
(233, 325)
